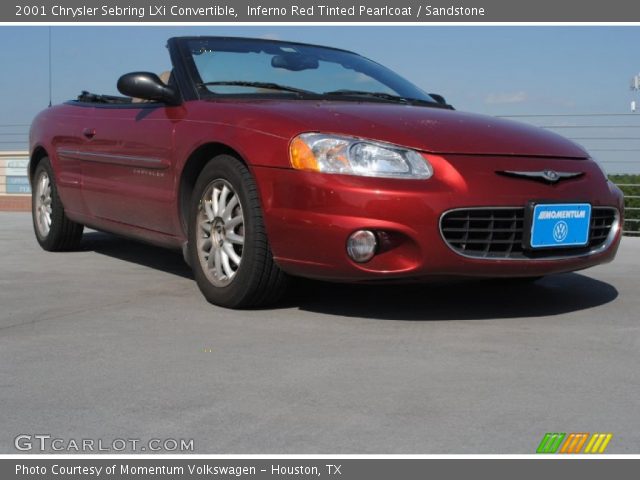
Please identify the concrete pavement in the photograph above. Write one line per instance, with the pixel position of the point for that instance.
(115, 341)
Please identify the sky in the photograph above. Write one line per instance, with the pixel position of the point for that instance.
(518, 71)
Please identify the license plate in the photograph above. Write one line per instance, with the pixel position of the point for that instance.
(560, 225)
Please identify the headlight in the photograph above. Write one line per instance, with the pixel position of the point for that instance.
(319, 152)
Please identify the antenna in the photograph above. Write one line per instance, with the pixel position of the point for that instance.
(49, 65)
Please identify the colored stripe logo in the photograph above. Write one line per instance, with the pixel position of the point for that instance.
(574, 442)
(550, 442)
(598, 443)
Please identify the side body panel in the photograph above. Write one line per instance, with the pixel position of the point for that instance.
(58, 128)
(128, 166)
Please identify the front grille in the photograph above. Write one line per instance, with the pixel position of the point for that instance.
(498, 233)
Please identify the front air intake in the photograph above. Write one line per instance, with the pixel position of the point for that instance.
(497, 233)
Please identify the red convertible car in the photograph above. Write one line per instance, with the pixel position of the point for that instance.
(264, 159)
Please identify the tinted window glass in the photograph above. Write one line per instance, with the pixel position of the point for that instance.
(305, 67)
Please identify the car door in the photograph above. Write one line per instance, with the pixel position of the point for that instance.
(66, 142)
(128, 169)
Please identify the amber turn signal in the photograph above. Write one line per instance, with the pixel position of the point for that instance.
(301, 156)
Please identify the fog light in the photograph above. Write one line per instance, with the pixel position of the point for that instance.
(361, 246)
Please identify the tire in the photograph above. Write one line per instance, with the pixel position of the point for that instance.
(228, 247)
(54, 231)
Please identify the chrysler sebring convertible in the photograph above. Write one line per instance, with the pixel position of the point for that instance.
(266, 160)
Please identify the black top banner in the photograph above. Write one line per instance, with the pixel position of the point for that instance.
(362, 11)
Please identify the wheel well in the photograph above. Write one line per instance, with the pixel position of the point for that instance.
(192, 168)
(38, 154)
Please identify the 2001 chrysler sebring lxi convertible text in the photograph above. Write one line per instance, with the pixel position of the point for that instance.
(264, 159)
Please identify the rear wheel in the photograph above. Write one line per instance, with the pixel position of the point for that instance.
(54, 231)
(228, 245)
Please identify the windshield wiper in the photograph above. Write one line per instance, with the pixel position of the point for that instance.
(383, 96)
(266, 85)
(364, 93)
(342, 93)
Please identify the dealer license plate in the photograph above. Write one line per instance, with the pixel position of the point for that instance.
(560, 225)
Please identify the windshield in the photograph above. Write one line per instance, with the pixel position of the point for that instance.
(248, 67)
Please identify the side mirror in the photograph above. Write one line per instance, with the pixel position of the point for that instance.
(147, 86)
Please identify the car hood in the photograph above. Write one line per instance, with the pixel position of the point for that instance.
(427, 129)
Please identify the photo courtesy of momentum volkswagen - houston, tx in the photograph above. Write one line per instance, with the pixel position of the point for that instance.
(265, 159)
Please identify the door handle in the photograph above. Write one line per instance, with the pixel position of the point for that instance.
(89, 133)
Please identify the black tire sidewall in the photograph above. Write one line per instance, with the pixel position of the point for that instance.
(230, 169)
(57, 210)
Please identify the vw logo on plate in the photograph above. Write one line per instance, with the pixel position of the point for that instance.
(560, 231)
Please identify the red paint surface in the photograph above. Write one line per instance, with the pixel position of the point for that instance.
(309, 215)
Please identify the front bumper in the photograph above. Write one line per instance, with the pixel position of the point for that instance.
(309, 217)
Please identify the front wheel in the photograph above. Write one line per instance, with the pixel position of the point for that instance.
(54, 231)
(228, 245)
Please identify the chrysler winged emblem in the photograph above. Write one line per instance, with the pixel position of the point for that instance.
(547, 176)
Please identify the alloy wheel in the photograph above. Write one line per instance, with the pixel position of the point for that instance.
(220, 229)
(43, 208)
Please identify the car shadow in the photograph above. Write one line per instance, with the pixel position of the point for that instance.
(457, 300)
(449, 300)
(165, 260)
